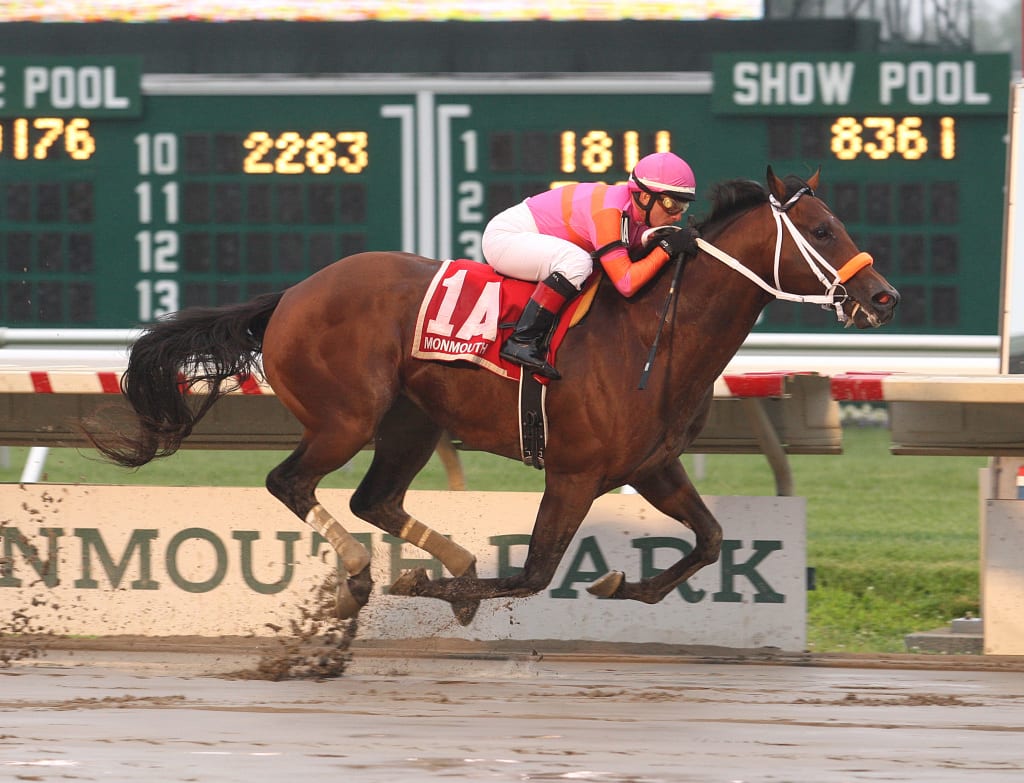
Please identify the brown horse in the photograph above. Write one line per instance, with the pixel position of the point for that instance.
(336, 349)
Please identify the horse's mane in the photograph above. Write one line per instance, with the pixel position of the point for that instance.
(732, 198)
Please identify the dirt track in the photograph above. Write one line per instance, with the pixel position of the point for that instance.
(168, 713)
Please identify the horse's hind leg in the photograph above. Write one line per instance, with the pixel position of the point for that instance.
(405, 441)
(294, 483)
(449, 457)
(565, 503)
(671, 492)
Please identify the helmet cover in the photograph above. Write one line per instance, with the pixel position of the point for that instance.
(664, 172)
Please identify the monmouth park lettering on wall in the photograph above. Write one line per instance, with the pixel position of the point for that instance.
(231, 561)
(96, 565)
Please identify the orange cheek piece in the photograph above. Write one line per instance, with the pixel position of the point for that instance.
(853, 266)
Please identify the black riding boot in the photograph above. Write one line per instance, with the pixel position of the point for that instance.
(528, 344)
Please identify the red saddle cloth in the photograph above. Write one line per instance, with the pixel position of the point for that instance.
(462, 314)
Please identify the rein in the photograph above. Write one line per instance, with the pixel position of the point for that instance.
(835, 292)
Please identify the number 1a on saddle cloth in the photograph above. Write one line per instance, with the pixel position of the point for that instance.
(469, 310)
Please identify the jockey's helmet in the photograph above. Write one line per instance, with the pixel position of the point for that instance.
(664, 173)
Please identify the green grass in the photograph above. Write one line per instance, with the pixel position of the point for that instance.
(249, 468)
(894, 540)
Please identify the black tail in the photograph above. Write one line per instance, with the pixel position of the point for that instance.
(200, 345)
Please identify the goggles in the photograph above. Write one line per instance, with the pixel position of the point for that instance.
(672, 206)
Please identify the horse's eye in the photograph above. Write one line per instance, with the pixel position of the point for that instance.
(821, 232)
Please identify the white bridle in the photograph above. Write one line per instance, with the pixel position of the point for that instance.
(835, 292)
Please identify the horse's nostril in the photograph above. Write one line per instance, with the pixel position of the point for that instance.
(885, 299)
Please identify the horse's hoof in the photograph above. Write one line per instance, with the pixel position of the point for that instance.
(360, 586)
(408, 582)
(352, 595)
(465, 611)
(607, 585)
(345, 606)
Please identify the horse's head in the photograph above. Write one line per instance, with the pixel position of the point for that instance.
(816, 256)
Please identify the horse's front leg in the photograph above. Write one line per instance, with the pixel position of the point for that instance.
(671, 492)
(563, 506)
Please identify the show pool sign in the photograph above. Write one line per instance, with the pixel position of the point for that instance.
(233, 562)
(910, 145)
(62, 86)
(793, 84)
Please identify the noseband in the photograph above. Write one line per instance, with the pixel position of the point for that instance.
(835, 292)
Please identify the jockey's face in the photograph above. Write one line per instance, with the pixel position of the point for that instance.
(660, 216)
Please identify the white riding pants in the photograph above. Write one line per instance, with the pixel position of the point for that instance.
(514, 246)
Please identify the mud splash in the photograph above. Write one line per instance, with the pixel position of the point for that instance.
(21, 638)
(316, 646)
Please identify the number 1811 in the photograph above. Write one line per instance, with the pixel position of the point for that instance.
(599, 151)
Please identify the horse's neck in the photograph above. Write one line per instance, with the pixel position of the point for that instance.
(718, 304)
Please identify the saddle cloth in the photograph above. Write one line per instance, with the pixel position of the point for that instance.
(465, 307)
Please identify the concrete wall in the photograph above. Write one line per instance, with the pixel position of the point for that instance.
(229, 561)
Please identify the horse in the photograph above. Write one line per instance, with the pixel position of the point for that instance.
(336, 349)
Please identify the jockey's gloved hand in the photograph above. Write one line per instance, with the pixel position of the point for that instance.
(649, 239)
(681, 242)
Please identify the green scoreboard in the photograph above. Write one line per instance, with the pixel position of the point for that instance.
(125, 196)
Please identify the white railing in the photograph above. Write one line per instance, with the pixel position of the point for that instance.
(828, 354)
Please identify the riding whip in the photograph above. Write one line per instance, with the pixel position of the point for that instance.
(661, 325)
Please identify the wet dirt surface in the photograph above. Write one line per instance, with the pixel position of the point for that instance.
(176, 714)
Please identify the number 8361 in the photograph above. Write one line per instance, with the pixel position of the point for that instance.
(880, 138)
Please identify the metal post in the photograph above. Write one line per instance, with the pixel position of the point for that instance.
(34, 465)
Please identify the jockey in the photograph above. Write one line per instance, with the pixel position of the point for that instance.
(556, 236)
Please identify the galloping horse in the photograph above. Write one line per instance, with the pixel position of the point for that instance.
(336, 348)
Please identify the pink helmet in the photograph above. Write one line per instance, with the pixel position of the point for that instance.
(664, 172)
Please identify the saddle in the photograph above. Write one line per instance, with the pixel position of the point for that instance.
(467, 313)
(469, 310)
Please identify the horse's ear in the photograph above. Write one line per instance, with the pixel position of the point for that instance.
(776, 185)
(812, 183)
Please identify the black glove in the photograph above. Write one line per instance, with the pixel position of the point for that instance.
(681, 242)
